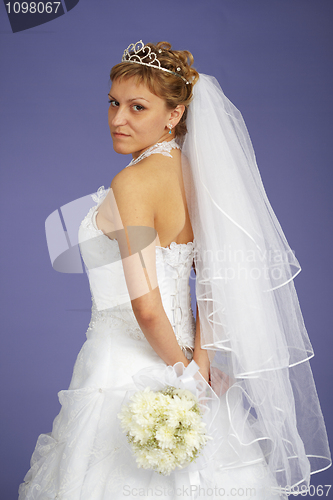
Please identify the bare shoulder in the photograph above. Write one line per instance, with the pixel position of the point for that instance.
(126, 176)
(149, 177)
(129, 183)
(160, 172)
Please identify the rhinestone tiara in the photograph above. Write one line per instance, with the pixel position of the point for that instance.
(149, 59)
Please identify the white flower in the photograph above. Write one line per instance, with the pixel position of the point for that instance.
(165, 437)
(140, 433)
(147, 458)
(143, 401)
(181, 455)
(162, 401)
(192, 439)
(179, 412)
(167, 463)
(126, 417)
(144, 419)
(185, 394)
(165, 428)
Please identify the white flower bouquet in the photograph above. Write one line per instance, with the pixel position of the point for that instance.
(165, 426)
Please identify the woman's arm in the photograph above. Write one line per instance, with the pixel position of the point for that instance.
(155, 324)
(135, 198)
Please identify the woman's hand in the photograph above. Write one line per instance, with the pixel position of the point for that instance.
(220, 381)
(205, 372)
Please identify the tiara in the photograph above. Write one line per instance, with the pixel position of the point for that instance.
(131, 54)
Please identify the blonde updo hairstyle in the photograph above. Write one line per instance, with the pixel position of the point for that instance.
(173, 89)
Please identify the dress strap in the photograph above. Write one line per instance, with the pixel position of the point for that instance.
(163, 148)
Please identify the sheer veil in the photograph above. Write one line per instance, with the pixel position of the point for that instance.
(251, 321)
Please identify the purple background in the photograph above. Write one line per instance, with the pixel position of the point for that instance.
(272, 59)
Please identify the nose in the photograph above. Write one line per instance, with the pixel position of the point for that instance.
(118, 117)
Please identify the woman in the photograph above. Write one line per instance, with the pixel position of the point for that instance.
(168, 209)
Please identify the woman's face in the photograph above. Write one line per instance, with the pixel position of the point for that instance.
(137, 118)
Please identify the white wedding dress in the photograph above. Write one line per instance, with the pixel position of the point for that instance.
(86, 456)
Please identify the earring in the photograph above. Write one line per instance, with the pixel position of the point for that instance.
(170, 127)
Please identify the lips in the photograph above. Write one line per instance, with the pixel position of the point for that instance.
(120, 134)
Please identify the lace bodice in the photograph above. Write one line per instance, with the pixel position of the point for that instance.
(111, 303)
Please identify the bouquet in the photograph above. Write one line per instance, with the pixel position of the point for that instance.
(165, 428)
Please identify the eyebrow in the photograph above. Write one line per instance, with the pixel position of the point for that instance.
(129, 100)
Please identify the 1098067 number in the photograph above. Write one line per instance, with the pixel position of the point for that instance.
(32, 7)
(311, 490)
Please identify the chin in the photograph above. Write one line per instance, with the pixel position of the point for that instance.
(121, 149)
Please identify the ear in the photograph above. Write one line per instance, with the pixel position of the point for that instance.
(176, 115)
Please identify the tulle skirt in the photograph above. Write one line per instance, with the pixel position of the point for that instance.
(87, 457)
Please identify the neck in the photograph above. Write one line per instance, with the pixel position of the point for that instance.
(166, 138)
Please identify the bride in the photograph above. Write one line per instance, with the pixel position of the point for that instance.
(191, 196)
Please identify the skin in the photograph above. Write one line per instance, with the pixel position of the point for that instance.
(137, 118)
(148, 194)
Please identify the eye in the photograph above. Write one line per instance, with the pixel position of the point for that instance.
(113, 102)
(138, 107)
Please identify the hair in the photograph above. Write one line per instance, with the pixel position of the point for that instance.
(173, 89)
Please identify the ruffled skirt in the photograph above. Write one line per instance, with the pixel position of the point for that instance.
(87, 457)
